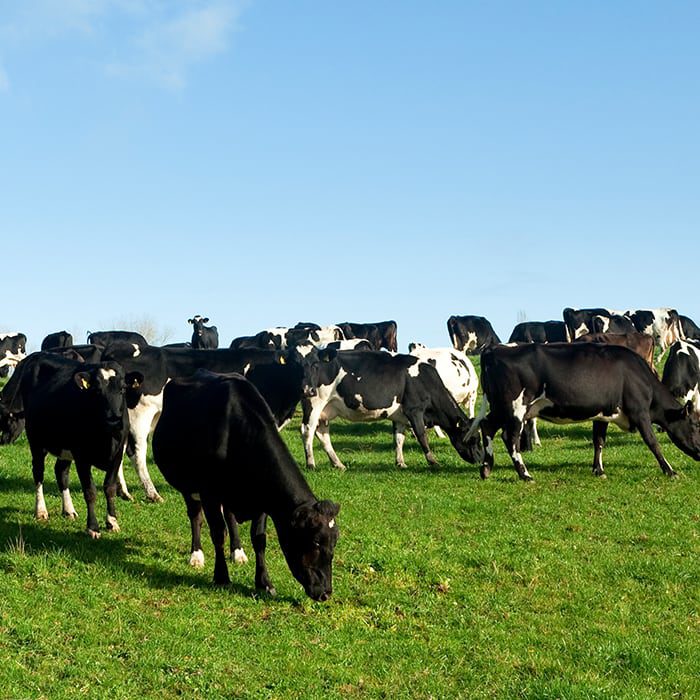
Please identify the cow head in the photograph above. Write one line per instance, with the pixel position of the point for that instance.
(683, 427)
(467, 442)
(198, 324)
(308, 546)
(306, 356)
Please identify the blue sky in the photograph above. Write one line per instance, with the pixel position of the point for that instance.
(267, 162)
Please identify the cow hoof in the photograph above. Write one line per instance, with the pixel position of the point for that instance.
(310, 465)
(94, 534)
(125, 496)
(154, 497)
(672, 474)
(485, 472)
(41, 515)
(197, 559)
(112, 524)
(239, 556)
(269, 590)
(401, 465)
(600, 475)
(340, 467)
(71, 515)
(525, 477)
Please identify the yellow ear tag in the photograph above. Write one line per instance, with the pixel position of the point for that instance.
(85, 383)
(282, 360)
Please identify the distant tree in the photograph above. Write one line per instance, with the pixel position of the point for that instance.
(146, 326)
(521, 316)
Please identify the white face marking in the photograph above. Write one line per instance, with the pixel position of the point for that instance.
(245, 369)
(107, 374)
(305, 350)
(137, 350)
(331, 523)
(581, 330)
(471, 341)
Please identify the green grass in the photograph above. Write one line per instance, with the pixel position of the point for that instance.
(444, 585)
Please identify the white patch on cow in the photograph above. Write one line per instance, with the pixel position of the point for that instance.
(68, 507)
(197, 559)
(581, 330)
(40, 512)
(414, 369)
(137, 350)
(245, 369)
(107, 374)
(520, 406)
(305, 349)
(239, 556)
(112, 524)
(472, 341)
(362, 413)
(605, 322)
(331, 523)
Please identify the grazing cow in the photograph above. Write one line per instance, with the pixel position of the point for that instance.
(13, 348)
(580, 321)
(203, 337)
(105, 338)
(365, 386)
(456, 371)
(76, 412)
(217, 444)
(575, 382)
(690, 330)
(471, 334)
(60, 339)
(381, 334)
(640, 343)
(539, 332)
(682, 372)
(159, 365)
(664, 325)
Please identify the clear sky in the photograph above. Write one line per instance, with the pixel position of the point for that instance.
(273, 161)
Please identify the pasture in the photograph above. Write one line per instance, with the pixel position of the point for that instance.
(444, 585)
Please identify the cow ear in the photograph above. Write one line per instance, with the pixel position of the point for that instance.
(205, 320)
(82, 380)
(301, 516)
(328, 508)
(189, 320)
(134, 380)
(327, 354)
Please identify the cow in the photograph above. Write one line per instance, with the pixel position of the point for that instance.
(373, 385)
(682, 372)
(352, 344)
(13, 349)
(690, 330)
(159, 365)
(59, 339)
(217, 444)
(106, 338)
(76, 412)
(663, 324)
(574, 382)
(471, 334)
(456, 371)
(615, 324)
(539, 332)
(640, 343)
(381, 334)
(203, 337)
(580, 321)
(283, 337)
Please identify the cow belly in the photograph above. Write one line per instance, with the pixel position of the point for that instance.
(339, 408)
(617, 417)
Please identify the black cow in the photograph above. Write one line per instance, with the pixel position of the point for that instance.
(576, 382)
(76, 412)
(580, 321)
(13, 348)
(203, 337)
(471, 334)
(381, 334)
(106, 338)
(217, 444)
(159, 365)
(682, 372)
(373, 385)
(539, 332)
(59, 339)
(690, 330)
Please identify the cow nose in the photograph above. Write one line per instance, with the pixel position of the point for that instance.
(309, 391)
(324, 597)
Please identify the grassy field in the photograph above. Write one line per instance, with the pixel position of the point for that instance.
(445, 586)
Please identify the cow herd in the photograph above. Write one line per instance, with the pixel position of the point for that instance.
(215, 413)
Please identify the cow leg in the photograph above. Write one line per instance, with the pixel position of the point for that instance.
(61, 470)
(324, 437)
(309, 424)
(488, 432)
(258, 537)
(511, 438)
(110, 489)
(217, 530)
(38, 458)
(90, 494)
(122, 488)
(194, 513)
(535, 434)
(600, 431)
(399, 439)
(418, 425)
(141, 425)
(235, 546)
(647, 433)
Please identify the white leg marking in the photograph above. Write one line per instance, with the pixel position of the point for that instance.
(68, 507)
(112, 524)
(40, 512)
(239, 556)
(197, 559)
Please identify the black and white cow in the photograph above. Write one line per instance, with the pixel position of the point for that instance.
(471, 334)
(59, 339)
(539, 332)
(13, 349)
(576, 382)
(580, 321)
(76, 412)
(690, 330)
(283, 337)
(217, 444)
(203, 337)
(106, 338)
(615, 324)
(158, 366)
(374, 385)
(682, 372)
(663, 324)
(381, 334)
(352, 344)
